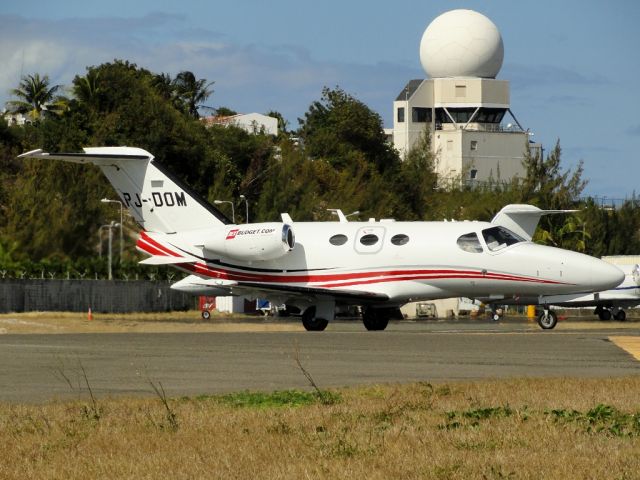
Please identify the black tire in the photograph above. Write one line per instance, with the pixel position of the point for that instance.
(311, 323)
(620, 315)
(548, 320)
(206, 314)
(604, 314)
(374, 320)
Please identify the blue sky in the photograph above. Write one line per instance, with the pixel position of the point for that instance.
(574, 66)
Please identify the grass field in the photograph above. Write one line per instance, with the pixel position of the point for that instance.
(521, 428)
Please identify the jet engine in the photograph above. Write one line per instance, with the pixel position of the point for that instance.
(253, 241)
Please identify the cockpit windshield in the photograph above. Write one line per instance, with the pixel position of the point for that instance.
(498, 238)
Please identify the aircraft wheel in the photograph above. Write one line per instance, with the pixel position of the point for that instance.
(547, 320)
(620, 315)
(604, 314)
(311, 323)
(206, 314)
(374, 320)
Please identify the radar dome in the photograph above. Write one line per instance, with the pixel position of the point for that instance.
(461, 43)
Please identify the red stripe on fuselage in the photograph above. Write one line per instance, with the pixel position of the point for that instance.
(334, 280)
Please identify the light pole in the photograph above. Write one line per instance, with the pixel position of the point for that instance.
(233, 212)
(110, 226)
(246, 204)
(106, 200)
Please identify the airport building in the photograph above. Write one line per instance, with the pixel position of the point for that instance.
(475, 135)
(251, 122)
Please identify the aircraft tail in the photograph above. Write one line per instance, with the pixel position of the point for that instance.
(157, 200)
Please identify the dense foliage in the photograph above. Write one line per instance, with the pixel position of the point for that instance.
(338, 158)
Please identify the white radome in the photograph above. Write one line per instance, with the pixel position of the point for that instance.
(461, 43)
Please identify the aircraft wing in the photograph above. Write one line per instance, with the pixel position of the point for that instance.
(260, 290)
(207, 286)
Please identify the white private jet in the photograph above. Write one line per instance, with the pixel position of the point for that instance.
(379, 265)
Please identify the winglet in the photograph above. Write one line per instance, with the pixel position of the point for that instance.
(33, 153)
(522, 219)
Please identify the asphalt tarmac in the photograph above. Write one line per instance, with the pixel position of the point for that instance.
(36, 368)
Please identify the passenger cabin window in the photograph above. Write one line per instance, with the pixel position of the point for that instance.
(498, 238)
(400, 239)
(470, 243)
(338, 239)
(369, 239)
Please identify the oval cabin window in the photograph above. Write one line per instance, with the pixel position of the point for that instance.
(400, 239)
(338, 239)
(369, 239)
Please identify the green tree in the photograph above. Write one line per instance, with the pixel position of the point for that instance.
(546, 185)
(416, 181)
(225, 112)
(192, 92)
(86, 89)
(338, 126)
(36, 96)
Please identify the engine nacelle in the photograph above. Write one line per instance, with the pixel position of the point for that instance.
(253, 241)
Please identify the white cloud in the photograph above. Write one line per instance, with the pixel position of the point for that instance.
(247, 77)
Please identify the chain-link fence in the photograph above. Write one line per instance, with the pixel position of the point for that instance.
(100, 295)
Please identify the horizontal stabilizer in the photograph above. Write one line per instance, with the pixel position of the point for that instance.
(97, 155)
(522, 219)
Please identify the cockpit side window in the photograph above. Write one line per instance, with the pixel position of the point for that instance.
(470, 243)
(498, 238)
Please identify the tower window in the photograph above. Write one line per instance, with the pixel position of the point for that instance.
(400, 116)
(420, 115)
(474, 145)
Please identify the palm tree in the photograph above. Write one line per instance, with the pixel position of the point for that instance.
(86, 88)
(192, 92)
(36, 95)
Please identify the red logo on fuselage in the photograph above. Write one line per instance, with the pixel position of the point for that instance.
(232, 234)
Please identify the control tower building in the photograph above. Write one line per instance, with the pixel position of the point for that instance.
(475, 135)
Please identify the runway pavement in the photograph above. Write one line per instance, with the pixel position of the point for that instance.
(36, 367)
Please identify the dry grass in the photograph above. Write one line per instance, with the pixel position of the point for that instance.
(191, 321)
(484, 430)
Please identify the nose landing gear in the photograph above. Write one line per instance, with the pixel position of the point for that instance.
(547, 319)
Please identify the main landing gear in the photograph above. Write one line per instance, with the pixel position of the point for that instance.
(375, 319)
(312, 323)
(547, 319)
(605, 314)
(316, 317)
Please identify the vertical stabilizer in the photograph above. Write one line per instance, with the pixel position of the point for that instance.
(156, 199)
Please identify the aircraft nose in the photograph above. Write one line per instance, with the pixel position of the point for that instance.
(605, 276)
